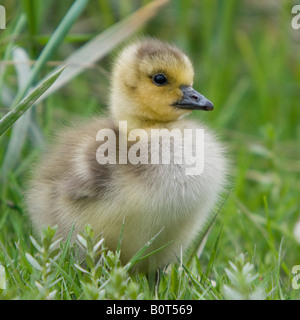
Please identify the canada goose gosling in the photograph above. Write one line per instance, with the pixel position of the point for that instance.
(75, 183)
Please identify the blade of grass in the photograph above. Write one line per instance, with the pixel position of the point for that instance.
(13, 115)
(279, 265)
(67, 245)
(136, 258)
(32, 9)
(102, 44)
(205, 281)
(20, 127)
(193, 279)
(249, 214)
(254, 63)
(107, 12)
(18, 28)
(269, 220)
(154, 251)
(199, 241)
(213, 255)
(52, 45)
(3, 218)
(121, 235)
(71, 281)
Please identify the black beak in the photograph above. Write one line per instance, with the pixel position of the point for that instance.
(193, 100)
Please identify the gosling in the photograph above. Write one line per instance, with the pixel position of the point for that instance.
(75, 183)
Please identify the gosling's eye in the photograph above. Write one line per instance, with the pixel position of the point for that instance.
(160, 79)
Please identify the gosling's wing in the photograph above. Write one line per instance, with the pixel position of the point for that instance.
(70, 168)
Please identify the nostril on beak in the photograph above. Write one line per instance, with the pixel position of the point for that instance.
(194, 97)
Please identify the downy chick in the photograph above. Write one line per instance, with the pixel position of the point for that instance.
(151, 89)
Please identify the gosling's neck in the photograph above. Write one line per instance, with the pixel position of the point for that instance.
(140, 120)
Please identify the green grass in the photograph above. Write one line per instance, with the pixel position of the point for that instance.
(247, 61)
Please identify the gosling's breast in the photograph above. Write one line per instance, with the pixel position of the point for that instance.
(173, 186)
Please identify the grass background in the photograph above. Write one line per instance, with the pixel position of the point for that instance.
(247, 61)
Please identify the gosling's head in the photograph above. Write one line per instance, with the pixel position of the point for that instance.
(152, 82)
